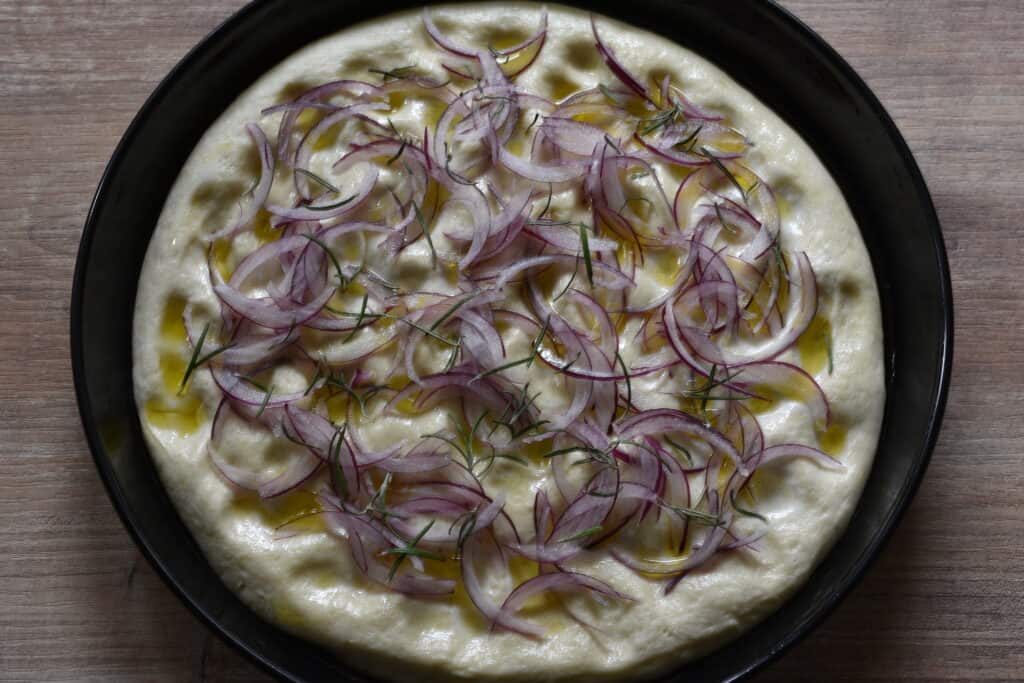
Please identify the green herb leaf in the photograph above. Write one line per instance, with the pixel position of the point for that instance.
(195, 357)
(744, 511)
(572, 278)
(329, 207)
(451, 311)
(424, 330)
(359, 318)
(679, 448)
(580, 534)
(266, 400)
(334, 260)
(721, 167)
(659, 120)
(426, 234)
(334, 450)
(340, 382)
(397, 73)
(585, 245)
(695, 515)
(318, 180)
(629, 386)
(691, 138)
(614, 97)
(410, 549)
(312, 382)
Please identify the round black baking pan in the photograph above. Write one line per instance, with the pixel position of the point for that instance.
(759, 44)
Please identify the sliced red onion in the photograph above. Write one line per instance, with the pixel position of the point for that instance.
(237, 390)
(540, 35)
(806, 306)
(604, 275)
(314, 98)
(305, 148)
(794, 450)
(442, 40)
(620, 71)
(559, 582)
(667, 421)
(675, 566)
(573, 136)
(331, 208)
(267, 313)
(259, 194)
(567, 238)
(471, 549)
(775, 374)
(539, 172)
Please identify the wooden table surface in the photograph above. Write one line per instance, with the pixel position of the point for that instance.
(946, 599)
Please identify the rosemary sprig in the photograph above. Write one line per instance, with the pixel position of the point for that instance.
(334, 457)
(329, 207)
(721, 219)
(679, 448)
(572, 278)
(334, 259)
(780, 259)
(254, 383)
(389, 316)
(580, 534)
(196, 360)
(421, 328)
(316, 378)
(515, 410)
(547, 204)
(743, 511)
(339, 381)
(411, 550)
(607, 92)
(287, 339)
(660, 120)
(318, 180)
(460, 179)
(266, 400)
(565, 368)
(359, 318)
(397, 155)
(426, 234)
(627, 200)
(378, 502)
(453, 356)
(397, 73)
(467, 524)
(451, 311)
(527, 361)
(629, 385)
(585, 247)
(690, 139)
(690, 513)
(721, 167)
(466, 455)
(595, 454)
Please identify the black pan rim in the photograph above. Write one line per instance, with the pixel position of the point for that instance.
(858, 569)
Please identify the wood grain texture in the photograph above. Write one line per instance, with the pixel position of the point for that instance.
(944, 602)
